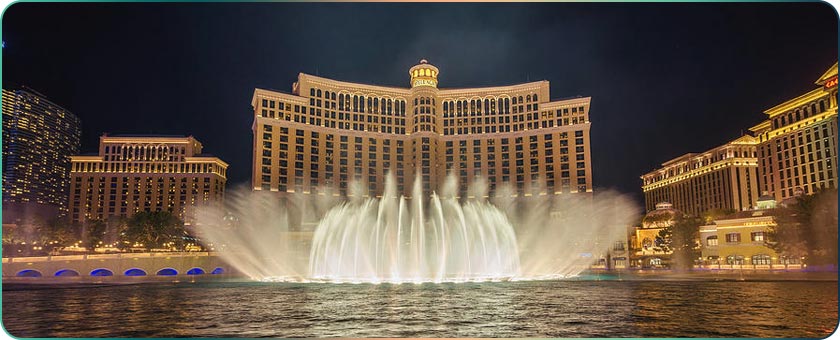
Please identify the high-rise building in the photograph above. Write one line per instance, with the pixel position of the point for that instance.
(327, 133)
(725, 178)
(38, 138)
(797, 150)
(145, 173)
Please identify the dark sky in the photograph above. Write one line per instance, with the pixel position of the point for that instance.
(665, 79)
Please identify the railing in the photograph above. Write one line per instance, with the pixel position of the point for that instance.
(777, 266)
(104, 256)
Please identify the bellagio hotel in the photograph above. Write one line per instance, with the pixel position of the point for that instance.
(327, 133)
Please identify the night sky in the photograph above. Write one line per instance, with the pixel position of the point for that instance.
(665, 79)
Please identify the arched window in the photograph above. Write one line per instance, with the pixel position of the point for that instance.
(312, 92)
(528, 98)
(319, 93)
(341, 101)
(822, 106)
(535, 97)
(813, 109)
(332, 96)
(520, 100)
(798, 115)
(514, 100)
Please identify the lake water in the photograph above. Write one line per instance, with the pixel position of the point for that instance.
(580, 308)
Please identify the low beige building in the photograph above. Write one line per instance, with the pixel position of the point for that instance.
(739, 241)
(145, 173)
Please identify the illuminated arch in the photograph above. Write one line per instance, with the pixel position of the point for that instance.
(101, 272)
(135, 272)
(66, 272)
(195, 271)
(28, 273)
(167, 272)
(218, 270)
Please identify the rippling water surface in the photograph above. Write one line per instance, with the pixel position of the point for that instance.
(509, 309)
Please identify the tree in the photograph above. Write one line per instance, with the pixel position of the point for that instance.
(157, 229)
(56, 234)
(681, 238)
(808, 226)
(94, 234)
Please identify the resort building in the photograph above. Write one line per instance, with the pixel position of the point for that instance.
(797, 144)
(327, 133)
(38, 138)
(145, 173)
(724, 178)
(739, 241)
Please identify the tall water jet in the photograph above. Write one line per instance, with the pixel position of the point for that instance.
(395, 239)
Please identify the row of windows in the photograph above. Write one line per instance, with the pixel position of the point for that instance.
(800, 113)
(145, 152)
(148, 167)
(756, 236)
(696, 163)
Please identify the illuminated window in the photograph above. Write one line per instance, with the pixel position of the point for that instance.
(733, 238)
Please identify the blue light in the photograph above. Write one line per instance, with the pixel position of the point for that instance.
(135, 272)
(218, 270)
(101, 272)
(28, 273)
(67, 272)
(195, 271)
(167, 272)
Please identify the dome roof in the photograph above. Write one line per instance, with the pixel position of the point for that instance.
(660, 217)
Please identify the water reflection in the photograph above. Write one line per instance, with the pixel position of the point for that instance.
(509, 309)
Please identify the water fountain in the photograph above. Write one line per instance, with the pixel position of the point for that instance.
(439, 238)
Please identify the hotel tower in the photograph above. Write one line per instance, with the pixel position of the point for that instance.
(327, 133)
(39, 137)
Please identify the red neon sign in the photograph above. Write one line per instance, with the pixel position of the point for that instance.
(831, 82)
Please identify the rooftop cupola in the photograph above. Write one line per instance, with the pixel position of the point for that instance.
(423, 74)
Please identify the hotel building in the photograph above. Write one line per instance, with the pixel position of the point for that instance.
(797, 150)
(326, 133)
(38, 139)
(739, 241)
(725, 178)
(144, 173)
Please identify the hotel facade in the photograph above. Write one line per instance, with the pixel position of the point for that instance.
(327, 133)
(39, 137)
(793, 152)
(797, 150)
(724, 178)
(145, 173)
